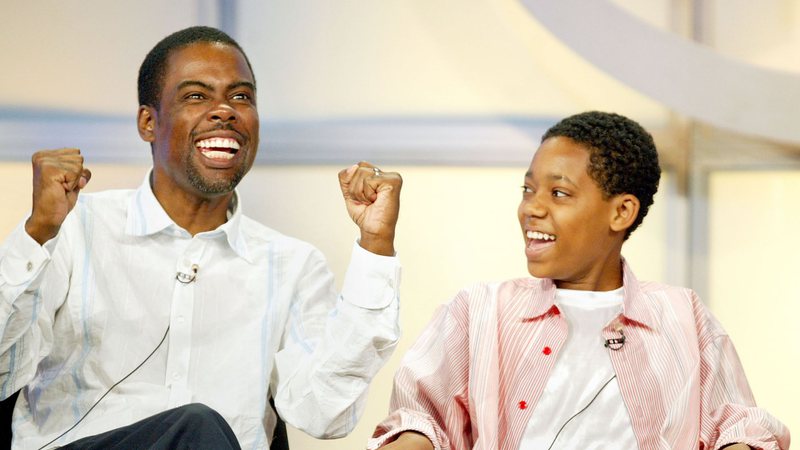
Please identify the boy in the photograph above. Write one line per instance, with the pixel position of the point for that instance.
(583, 355)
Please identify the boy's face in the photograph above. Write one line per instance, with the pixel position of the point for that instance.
(566, 222)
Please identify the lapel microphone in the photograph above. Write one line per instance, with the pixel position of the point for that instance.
(616, 343)
(187, 278)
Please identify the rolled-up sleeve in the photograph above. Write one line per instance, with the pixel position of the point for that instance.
(728, 409)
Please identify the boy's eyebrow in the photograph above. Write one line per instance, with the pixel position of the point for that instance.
(554, 176)
(561, 177)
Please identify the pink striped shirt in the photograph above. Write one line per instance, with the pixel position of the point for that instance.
(494, 346)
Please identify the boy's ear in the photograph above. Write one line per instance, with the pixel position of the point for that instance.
(626, 209)
(146, 122)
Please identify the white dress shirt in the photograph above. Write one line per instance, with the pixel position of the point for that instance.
(262, 318)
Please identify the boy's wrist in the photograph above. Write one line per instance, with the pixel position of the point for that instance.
(415, 440)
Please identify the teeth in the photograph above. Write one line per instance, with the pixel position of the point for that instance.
(539, 236)
(213, 154)
(218, 143)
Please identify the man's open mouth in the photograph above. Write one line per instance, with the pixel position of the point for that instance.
(218, 148)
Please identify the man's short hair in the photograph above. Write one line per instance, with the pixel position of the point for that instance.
(154, 67)
(622, 155)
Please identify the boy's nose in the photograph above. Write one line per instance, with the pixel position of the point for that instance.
(534, 208)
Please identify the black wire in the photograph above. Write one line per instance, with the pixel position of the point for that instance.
(109, 390)
(576, 414)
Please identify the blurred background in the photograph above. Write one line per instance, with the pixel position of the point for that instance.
(455, 95)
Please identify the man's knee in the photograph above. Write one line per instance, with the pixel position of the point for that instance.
(198, 413)
(203, 424)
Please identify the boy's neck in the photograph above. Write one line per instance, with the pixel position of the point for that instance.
(606, 278)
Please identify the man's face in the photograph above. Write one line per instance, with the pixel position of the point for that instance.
(564, 218)
(205, 131)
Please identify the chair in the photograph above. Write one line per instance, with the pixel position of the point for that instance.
(6, 410)
(280, 441)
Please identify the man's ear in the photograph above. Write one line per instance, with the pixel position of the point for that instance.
(626, 209)
(146, 122)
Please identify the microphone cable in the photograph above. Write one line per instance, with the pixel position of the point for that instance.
(109, 390)
(582, 410)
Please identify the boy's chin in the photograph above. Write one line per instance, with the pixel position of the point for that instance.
(557, 274)
(538, 270)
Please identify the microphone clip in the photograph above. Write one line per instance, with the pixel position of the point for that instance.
(616, 343)
(187, 278)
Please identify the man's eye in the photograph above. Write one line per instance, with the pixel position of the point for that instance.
(526, 189)
(242, 96)
(194, 96)
(559, 193)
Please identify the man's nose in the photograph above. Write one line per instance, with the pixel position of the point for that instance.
(222, 112)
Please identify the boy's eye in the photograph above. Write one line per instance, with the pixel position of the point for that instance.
(194, 96)
(526, 189)
(559, 193)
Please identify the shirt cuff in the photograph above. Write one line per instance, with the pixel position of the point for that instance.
(24, 258)
(372, 281)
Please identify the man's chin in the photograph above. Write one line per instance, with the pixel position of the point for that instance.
(215, 185)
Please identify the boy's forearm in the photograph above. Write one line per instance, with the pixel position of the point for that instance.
(409, 440)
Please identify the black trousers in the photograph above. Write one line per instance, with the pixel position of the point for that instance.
(192, 426)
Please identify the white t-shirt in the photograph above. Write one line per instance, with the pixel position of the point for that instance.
(582, 368)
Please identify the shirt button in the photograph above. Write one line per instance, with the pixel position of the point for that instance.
(547, 350)
(29, 266)
(181, 319)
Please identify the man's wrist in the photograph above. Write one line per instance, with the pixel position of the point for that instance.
(40, 233)
(379, 245)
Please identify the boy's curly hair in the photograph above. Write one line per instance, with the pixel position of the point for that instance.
(622, 155)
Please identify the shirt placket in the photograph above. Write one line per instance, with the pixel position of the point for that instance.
(180, 334)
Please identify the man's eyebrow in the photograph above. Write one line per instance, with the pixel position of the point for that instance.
(246, 84)
(194, 83)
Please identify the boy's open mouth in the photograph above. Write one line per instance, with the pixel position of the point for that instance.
(539, 236)
(538, 242)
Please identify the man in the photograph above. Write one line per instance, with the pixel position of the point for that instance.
(582, 355)
(123, 305)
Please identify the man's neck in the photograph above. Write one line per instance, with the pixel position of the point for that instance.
(194, 214)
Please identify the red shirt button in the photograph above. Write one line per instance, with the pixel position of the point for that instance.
(523, 405)
(547, 351)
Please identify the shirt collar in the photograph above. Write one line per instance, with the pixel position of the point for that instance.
(233, 228)
(543, 295)
(146, 216)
